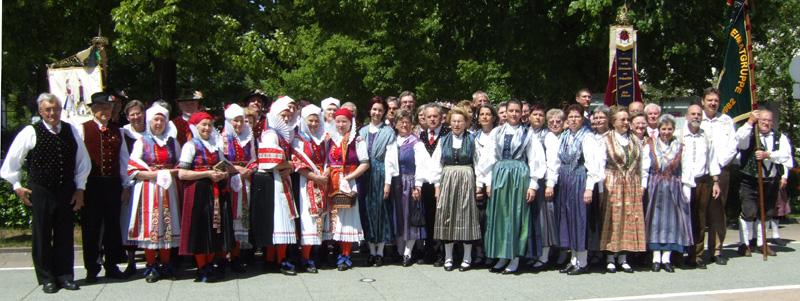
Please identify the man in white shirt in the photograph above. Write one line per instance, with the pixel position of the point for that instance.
(58, 166)
(652, 112)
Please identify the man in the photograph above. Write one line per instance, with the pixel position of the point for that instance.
(770, 149)
(257, 101)
(700, 176)
(723, 138)
(100, 226)
(652, 112)
(408, 101)
(479, 98)
(394, 103)
(636, 107)
(50, 145)
(424, 188)
(584, 98)
(526, 113)
(329, 106)
(188, 104)
(501, 113)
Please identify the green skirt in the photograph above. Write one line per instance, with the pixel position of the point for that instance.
(507, 213)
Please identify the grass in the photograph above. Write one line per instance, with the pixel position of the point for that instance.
(21, 238)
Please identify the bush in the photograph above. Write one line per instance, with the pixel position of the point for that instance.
(13, 213)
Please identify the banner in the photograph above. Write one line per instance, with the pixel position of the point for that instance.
(736, 83)
(74, 86)
(622, 87)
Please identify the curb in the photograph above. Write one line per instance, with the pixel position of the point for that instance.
(27, 250)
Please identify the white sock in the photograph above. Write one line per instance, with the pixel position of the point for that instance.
(759, 234)
(513, 265)
(773, 223)
(448, 252)
(744, 232)
(467, 253)
(582, 259)
(545, 255)
(574, 259)
(665, 256)
(656, 256)
(501, 263)
(409, 247)
(379, 249)
(371, 248)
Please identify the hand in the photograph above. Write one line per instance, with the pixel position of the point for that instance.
(479, 194)
(784, 182)
(715, 190)
(489, 191)
(24, 195)
(548, 193)
(415, 193)
(386, 188)
(285, 172)
(761, 155)
(530, 196)
(320, 180)
(587, 196)
(77, 200)
(217, 176)
(436, 192)
(753, 117)
(126, 196)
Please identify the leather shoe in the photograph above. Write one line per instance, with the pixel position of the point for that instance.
(627, 268)
(50, 288)
(720, 260)
(701, 264)
(114, 273)
(438, 263)
(509, 272)
(91, 278)
(577, 270)
(611, 268)
(407, 262)
(779, 242)
(464, 267)
(378, 261)
(656, 267)
(770, 251)
(288, 269)
(541, 267)
(566, 269)
(744, 250)
(668, 267)
(70, 285)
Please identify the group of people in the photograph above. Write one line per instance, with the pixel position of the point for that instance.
(491, 186)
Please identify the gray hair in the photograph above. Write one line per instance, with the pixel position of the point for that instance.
(602, 109)
(434, 106)
(392, 99)
(666, 119)
(479, 93)
(48, 97)
(163, 104)
(408, 93)
(555, 113)
(651, 106)
(134, 103)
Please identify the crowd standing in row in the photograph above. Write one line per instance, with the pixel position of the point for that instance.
(509, 185)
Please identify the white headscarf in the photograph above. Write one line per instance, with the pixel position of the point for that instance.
(329, 101)
(309, 110)
(231, 113)
(169, 130)
(274, 121)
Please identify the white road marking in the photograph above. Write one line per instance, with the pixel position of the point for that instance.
(701, 293)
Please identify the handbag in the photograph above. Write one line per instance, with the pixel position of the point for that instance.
(416, 215)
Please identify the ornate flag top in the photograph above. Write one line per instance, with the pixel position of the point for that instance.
(623, 79)
(736, 83)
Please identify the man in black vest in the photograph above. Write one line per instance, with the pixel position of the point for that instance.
(100, 226)
(57, 169)
(770, 151)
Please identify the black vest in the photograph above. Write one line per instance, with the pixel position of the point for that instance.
(748, 161)
(51, 162)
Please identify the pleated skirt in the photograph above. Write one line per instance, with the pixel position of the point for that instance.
(456, 210)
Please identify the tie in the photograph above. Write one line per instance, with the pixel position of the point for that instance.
(431, 137)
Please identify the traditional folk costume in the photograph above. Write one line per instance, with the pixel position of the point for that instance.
(482, 141)
(456, 211)
(400, 163)
(154, 223)
(668, 220)
(424, 181)
(344, 154)
(594, 211)
(272, 207)
(379, 215)
(544, 233)
(47, 149)
(239, 149)
(623, 215)
(516, 161)
(309, 154)
(129, 137)
(569, 174)
(206, 220)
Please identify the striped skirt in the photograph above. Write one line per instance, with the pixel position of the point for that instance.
(623, 217)
(456, 211)
(669, 216)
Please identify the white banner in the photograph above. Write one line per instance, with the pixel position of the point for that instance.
(74, 86)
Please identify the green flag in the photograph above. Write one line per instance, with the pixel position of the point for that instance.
(736, 83)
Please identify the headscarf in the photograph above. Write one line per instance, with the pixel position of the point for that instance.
(231, 113)
(275, 122)
(329, 101)
(309, 110)
(213, 140)
(169, 129)
(345, 112)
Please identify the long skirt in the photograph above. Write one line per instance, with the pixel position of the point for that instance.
(153, 216)
(669, 216)
(343, 224)
(379, 211)
(270, 211)
(403, 202)
(125, 220)
(571, 208)
(241, 212)
(543, 223)
(456, 211)
(507, 214)
(594, 218)
(623, 216)
(200, 234)
(310, 225)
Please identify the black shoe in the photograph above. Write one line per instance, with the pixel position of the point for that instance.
(204, 275)
(130, 270)
(510, 272)
(166, 271)
(237, 266)
(69, 285)
(438, 263)
(744, 250)
(770, 251)
(342, 267)
(311, 267)
(721, 260)
(288, 269)
(50, 288)
(701, 264)
(407, 262)
(113, 272)
(779, 242)
(449, 267)
(464, 268)
(91, 278)
(668, 267)
(626, 268)
(577, 270)
(543, 267)
(378, 261)
(151, 275)
(566, 269)
(656, 267)
(611, 268)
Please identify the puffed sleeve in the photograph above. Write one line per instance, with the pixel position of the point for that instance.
(435, 165)
(729, 131)
(270, 153)
(537, 162)
(83, 164)
(594, 155)
(645, 165)
(361, 150)
(488, 158)
(475, 161)
(123, 161)
(552, 146)
(391, 162)
(421, 159)
(135, 163)
(23, 143)
(743, 136)
(187, 156)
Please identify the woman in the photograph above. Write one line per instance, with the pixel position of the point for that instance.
(347, 160)
(594, 213)
(309, 147)
(545, 220)
(669, 216)
(515, 162)
(239, 149)
(456, 211)
(134, 112)
(206, 221)
(623, 217)
(639, 129)
(567, 180)
(272, 209)
(379, 211)
(420, 124)
(487, 120)
(400, 163)
(154, 208)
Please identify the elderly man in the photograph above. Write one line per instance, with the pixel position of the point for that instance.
(771, 150)
(58, 165)
(652, 112)
(408, 101)
(394, 104)
(636, 107)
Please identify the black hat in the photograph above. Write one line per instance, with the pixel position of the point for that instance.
(258, 94)
(103, 98)
(189, 94)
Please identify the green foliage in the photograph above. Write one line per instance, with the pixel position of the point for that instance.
(13, 214)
